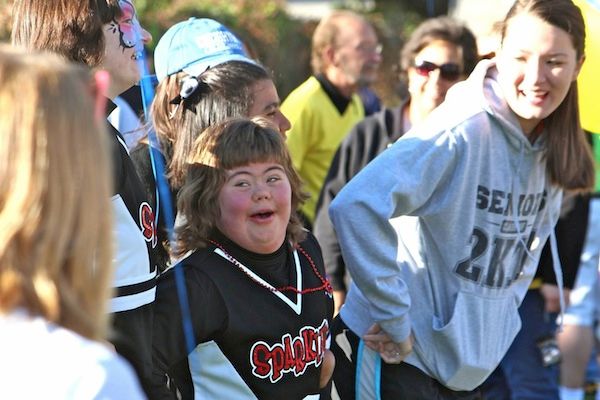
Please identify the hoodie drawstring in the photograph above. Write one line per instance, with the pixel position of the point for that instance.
(559, 279)
(515, 204)
(553, 246)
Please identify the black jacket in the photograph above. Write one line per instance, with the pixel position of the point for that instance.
(363, 143)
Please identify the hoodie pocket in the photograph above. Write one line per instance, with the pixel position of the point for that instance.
(465, 351)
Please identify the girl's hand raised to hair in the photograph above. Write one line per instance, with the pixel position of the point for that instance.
(391, 352)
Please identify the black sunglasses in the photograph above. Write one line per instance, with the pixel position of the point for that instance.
(448, 71)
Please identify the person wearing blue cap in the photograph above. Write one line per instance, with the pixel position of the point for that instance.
(194, 45)
(204, 77)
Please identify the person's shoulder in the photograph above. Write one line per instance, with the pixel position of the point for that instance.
(141, 148)
(140, 155)
(452, 122)
(198, 256)
(108, 371)
(470, 102)
(311, 249)
(378, 127)
(304, 92)
(194, 261)
(73, 366)
(310, 242)
(376, 120)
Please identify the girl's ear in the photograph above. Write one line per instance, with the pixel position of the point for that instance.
(100, 92)
(578, 67)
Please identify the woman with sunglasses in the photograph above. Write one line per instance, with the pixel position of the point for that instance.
(457, 212)
(437, 41)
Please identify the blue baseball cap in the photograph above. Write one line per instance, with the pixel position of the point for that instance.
(194, 45)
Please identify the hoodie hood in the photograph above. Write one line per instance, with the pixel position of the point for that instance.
(491, 100)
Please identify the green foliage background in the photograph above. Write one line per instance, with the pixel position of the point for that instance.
(279, 41)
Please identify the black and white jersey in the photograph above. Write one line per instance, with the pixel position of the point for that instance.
(134, 231)
(250, 342)
(134, 280)
(145, 167)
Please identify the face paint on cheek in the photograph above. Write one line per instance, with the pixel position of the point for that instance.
(130, 31)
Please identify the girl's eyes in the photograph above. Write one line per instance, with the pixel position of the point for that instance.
(270, 179)
(554, 62)
(241, 184)
(271, 113)
(125, 21)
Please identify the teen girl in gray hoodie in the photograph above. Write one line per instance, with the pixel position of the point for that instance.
(442, 232)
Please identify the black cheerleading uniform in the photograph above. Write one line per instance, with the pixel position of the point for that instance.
(250, 342)
(134, 280)
(142, 161)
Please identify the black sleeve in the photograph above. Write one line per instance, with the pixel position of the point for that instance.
(131, 336)
(360, 146)
(570, 234)
(140, 156)
(208, 316)
(141, 160)
(117, 164)
(323, 227)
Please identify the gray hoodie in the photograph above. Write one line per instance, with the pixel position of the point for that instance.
(442, 233)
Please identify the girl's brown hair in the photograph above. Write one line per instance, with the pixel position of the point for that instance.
(226, 92)
(72, 29)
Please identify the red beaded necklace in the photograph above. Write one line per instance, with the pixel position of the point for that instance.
(324, 286)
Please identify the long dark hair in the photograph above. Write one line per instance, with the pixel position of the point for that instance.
(226, 92)
(569, 158)
(72, 29)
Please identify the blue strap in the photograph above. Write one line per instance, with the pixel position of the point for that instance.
(368, 374)
(164, 193)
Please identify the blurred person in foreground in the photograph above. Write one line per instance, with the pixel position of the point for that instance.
(55, 252)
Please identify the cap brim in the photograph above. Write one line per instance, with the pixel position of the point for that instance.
(199, 67)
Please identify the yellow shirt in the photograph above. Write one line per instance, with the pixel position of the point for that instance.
(588, 82)
(317, 131)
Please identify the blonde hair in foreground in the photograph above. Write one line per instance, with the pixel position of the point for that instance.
(55, 243)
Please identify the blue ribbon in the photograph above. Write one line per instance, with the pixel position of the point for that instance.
(163, 192)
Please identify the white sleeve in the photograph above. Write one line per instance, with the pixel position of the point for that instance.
(112, 378)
